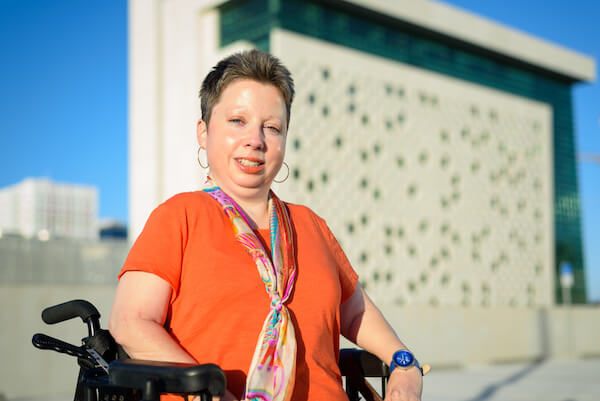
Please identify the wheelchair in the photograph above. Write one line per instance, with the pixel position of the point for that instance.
(106, 373)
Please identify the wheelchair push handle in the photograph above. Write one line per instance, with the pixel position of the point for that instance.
(42, 341)
(71, 309)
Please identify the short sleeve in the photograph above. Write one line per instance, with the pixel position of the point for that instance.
(160, 247)
(347, 275)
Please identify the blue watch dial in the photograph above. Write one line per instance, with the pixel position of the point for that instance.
(403, 358)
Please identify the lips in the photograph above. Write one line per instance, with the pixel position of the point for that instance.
(250, 165)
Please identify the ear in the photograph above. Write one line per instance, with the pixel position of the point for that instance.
(201, 132)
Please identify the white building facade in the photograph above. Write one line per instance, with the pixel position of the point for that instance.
(39, 207)
(437, 145)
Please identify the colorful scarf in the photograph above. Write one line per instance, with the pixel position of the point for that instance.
(272, 371)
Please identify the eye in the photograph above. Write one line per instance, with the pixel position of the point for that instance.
(273, 129)
(236, 120)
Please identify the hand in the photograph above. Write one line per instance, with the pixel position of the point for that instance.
(404, 385)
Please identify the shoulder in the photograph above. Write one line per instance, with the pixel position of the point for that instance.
(303, 212)
(183, 206)
(305, 216)
(186, 201)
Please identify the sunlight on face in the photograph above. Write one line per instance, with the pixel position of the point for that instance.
(245, 139)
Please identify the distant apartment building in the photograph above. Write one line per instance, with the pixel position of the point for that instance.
(39, 207)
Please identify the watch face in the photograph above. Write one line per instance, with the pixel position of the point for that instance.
(403, 358)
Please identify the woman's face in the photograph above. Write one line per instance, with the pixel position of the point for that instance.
(245, 138)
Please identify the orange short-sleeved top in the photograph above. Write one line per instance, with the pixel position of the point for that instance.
(218, 302)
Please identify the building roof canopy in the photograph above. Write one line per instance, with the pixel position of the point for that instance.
(481, 32)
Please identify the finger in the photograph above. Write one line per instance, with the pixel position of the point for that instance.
(426, 368)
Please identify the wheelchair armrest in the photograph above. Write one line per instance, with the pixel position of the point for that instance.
(369, 364)
(356, 365)
(167, 377)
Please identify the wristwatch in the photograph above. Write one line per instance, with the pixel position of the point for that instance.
(404, 359)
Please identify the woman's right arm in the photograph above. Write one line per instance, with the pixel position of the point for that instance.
(138, 316)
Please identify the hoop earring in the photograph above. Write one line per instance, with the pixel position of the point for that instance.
(286, 176)
(199, 161)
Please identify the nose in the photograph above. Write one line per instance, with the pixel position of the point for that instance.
(255, 138)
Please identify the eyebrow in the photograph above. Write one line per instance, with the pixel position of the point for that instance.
(243, 110)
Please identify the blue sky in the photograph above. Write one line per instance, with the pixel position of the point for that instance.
(63, 86)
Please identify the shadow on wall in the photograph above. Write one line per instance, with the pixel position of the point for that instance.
(492, 389)
(543, 326)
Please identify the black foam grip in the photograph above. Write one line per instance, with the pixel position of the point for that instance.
(69, 310)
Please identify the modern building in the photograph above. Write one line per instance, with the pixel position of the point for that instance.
(39, 207)
(438, 145)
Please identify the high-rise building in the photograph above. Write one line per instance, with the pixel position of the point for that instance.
(438, 145)
(39, 207)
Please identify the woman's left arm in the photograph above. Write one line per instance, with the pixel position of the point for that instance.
(362, 323)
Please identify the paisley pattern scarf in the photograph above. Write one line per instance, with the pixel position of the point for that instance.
(272, 371)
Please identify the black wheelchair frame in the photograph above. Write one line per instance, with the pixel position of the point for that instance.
(106, 373)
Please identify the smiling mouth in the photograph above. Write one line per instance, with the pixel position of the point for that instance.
(250, 162)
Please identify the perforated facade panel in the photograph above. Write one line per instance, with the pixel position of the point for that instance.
(372, 34)
(439, 190)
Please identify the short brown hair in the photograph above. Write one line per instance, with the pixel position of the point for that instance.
(253, 64)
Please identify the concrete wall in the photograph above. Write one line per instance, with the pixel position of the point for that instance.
(37, 274)
(463, 336)
(443, 337)
(65, 261)
(24, 370)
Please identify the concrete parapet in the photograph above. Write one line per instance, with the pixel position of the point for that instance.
(455, 336)
(67, 261)
(441, 336)
(26, 371)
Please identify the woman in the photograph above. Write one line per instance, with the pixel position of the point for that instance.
(189, 290)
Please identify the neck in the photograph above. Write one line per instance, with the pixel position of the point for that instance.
(255, 205)
(257, 212)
